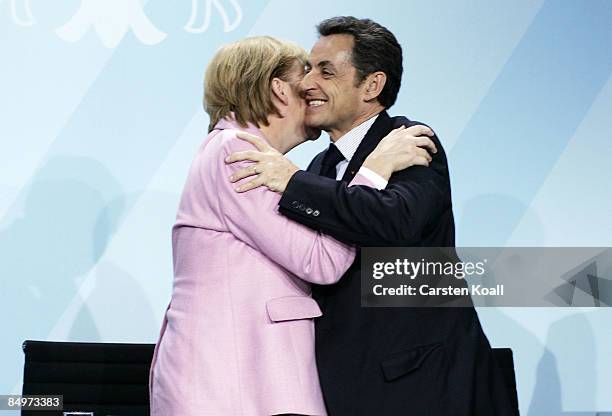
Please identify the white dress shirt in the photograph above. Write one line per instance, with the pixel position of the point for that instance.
(348, 145)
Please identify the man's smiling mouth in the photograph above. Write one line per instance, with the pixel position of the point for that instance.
(315, 102)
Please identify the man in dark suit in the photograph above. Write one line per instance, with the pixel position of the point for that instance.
(379, 361)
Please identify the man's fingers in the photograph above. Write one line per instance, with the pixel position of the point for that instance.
(255, 183)
(256, 141)
(251, 155)
(427, 143)
(420, 130)
(244, 173)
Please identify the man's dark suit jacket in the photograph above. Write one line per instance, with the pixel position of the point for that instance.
(393, 361)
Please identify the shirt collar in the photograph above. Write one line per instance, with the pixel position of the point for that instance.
(229, 122)
(349, 143)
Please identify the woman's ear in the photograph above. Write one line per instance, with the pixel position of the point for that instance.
(280, 94)
(374, 84)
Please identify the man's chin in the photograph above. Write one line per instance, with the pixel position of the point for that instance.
(312, 128)
(312, 133)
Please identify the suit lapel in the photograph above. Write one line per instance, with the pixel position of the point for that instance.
(380, 128)
(316, 164)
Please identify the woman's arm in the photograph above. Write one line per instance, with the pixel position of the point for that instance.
(253, 218)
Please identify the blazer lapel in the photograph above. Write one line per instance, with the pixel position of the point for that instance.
(316, 164)
(380, 128)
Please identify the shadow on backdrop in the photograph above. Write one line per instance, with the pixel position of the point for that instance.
(62, 229)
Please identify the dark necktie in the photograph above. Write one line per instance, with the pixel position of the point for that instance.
(330, 160)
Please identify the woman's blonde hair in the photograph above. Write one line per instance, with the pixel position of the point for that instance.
(239, 78)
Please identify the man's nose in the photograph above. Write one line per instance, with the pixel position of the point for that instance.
(307, 83)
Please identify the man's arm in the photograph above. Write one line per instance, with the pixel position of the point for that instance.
(396, 215)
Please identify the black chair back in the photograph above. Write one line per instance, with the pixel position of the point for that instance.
(107, 379)
(113, 379)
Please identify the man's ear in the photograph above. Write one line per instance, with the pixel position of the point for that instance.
(280, 95)
(374, 84)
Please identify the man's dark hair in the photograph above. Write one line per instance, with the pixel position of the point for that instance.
(375, 49)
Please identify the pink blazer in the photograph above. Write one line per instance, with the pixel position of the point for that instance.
(238, 335)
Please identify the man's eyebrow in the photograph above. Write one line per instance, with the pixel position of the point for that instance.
(325, 63)
(320, 64)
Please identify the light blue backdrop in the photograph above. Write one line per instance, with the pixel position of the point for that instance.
(100, 118)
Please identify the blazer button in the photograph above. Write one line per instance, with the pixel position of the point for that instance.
(316, 213)
(295, 204)
(302, 207)
(308, 210)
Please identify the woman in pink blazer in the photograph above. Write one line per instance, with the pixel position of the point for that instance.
(238, 336)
